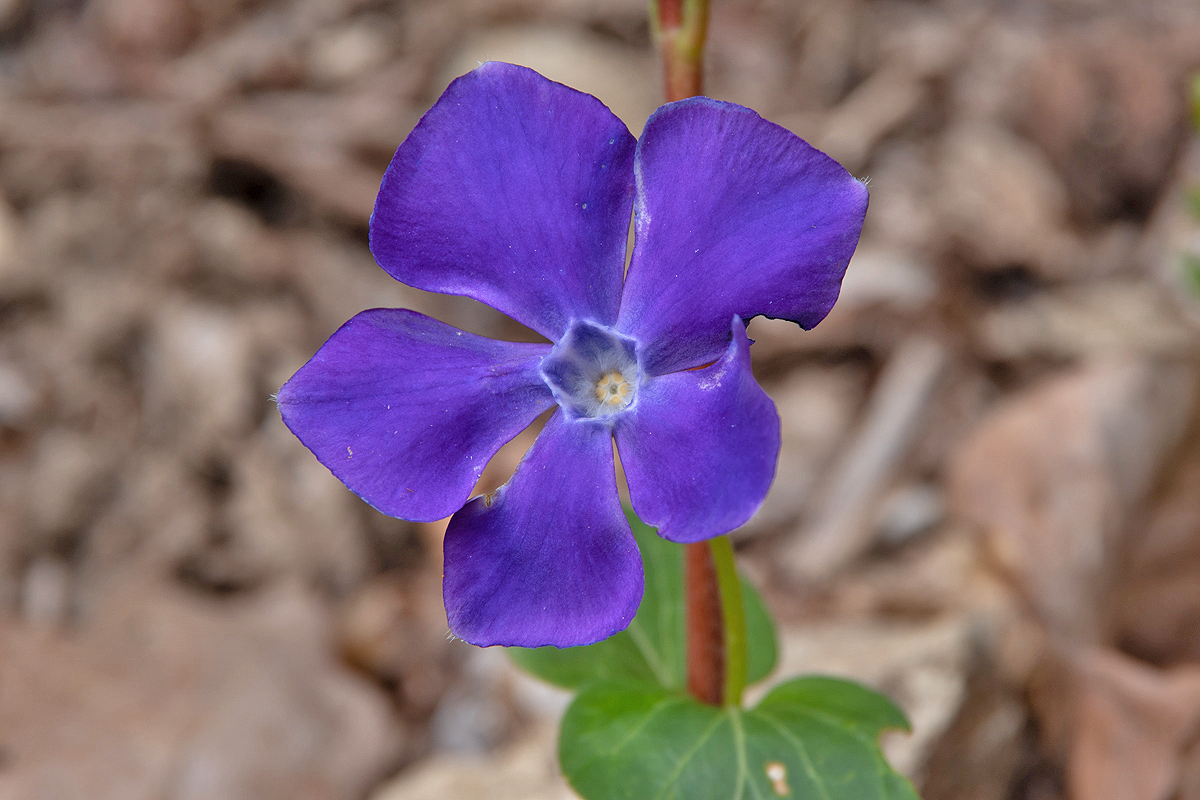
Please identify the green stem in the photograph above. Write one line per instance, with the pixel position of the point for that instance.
(733, 613)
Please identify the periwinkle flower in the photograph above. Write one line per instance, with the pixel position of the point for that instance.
(517, 191)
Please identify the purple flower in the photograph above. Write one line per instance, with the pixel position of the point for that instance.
(517, 191)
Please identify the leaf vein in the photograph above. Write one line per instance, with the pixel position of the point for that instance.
(801, 751)
(739, 743)
(641, 640)
(654, 710)
(687, 757)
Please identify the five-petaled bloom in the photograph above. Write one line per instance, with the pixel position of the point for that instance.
(517, 191)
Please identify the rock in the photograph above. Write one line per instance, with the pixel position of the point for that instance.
(1104, 104)
(11, 14)
(1126, 726)
(70, 480)
(816, 407)
(909, 511)
(527, 770)
(145, 27)
(163, 696)
(615, 74)
(875, 108)
(1001, 203)
(1051, 477)
(394, 628)
(18, 400)
(46, 593)
(1156, 608)
(839, 529)
(197, 382)
(349, 52)
(1087, 321)
(1170, 248)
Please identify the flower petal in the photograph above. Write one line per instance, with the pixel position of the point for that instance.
(516, 191)
(734, 215)
(549, 557)
(406, 411)
(699, 450)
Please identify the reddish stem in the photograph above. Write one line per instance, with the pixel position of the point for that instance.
(680, 27)
(705, 625)
(670, 14)
(682, 78)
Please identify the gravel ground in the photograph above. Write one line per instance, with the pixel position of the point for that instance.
(988, 498)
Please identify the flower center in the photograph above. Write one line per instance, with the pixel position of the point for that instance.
(613, 390)
(593, 371)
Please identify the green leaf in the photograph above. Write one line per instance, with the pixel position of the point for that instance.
(811, 738)
(1191, 271)
(1192, 198)
(760, 635)
(1194, 98)
(652, 649)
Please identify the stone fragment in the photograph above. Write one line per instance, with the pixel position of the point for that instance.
(18, 398)
(198, 700)
(611, 72)
(875, 108)
(1002, 204)
(816, 408)
(11, 13)
(1050, 480)
(1155, 606)
(348, 52)
(527, 770)
(46, 593)
(1103, 103)
(839, 529)
(909, 511)
(145, 27)
(394, 628)
(1087, 321)
(70, 479)
(199, 363)
(1126, 726)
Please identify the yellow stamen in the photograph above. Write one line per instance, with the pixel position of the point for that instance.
(613, 390)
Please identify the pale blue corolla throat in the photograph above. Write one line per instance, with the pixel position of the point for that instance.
(593, 371)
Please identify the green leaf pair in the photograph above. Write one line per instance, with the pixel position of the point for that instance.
(634, 732)
(812, 738)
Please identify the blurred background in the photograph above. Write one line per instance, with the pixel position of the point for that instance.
(988, 499)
